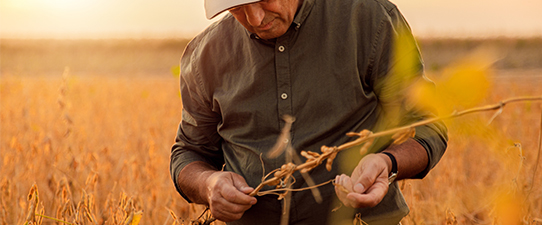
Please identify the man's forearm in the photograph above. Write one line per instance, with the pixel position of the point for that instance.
(411, 158)
(192, 181)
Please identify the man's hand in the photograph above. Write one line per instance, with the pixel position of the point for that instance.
(368, 184)
(227, 195)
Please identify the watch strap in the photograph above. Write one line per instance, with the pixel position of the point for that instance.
(393, 174)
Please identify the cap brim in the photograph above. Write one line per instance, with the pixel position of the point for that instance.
(215, 7)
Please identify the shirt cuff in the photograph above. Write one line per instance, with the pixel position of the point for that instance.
(434, 139)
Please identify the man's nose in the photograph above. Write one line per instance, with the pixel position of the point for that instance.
(254, 13)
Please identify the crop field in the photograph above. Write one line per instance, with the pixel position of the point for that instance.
(86, 128)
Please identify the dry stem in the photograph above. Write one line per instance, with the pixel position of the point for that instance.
(365, 136)
(315, 159)
(537, 161)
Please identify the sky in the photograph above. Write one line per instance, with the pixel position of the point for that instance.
(185, 18)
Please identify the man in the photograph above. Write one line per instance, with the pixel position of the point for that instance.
(324, 62)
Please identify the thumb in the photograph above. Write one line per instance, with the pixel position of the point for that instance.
(240, 183)
(365, 180)
(366, 173)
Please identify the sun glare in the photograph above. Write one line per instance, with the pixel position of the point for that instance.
(65, 4)
(47, 4)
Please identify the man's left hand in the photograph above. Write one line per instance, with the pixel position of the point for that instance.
(368, 184)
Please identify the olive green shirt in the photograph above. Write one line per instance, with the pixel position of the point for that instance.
(327, 71)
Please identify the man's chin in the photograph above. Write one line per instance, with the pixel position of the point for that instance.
(269, 34)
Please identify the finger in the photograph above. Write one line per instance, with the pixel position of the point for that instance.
(342, 196)
(239, 182)
(370, 199)
(346, 182)
(241, 185)
(225, 215)
(233, 195)
(372, 196)
(343, 187)
(339, 188)
(246, 190)
(219, 204)
(367, 178)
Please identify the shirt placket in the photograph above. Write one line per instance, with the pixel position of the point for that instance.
(282, 68)
(284, 90)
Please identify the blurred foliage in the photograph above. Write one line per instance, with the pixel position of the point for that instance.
(462, 85)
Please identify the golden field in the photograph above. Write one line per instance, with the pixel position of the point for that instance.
(94, 139)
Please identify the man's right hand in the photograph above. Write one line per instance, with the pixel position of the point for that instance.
(227, 195)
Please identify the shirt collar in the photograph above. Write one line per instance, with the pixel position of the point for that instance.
(304, 11)
(300, 17)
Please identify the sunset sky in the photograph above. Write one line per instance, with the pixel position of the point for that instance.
(185, 18)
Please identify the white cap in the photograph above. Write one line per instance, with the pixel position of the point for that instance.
(215, 7)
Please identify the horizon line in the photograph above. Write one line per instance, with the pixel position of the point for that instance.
(190, 35)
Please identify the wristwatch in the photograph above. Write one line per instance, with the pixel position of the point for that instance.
(393, 173)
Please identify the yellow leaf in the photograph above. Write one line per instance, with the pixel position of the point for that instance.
(136, 218)
(405, 68)
(462, 85)
(423, 95)
(467, 84)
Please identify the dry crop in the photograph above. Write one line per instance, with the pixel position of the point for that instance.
(93, 148)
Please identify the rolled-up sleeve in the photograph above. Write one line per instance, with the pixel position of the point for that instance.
(434, 139)
(197, 138)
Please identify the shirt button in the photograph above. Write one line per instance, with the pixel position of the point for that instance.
(284, 96)
(281, 48)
